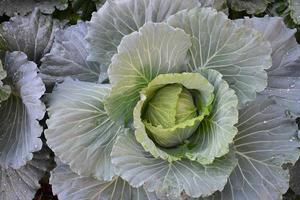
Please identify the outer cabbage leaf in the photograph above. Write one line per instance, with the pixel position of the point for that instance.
(67, 185)
(284, 82)
(4, 89)
(79, 130)
(217, 130)
(240, 54)
(250, 6)
(284, 75)
(266, 140)
(68, 57)
(19, 114)
(155, 49)
(281, 40)
(11, 7)
(22, 184)
(32, 34)
(168, 179)
(294, 180)
(117, 18)
(294, 6)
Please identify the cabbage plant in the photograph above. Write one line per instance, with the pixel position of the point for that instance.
(188, 104)
(23, 41)
(151, 99)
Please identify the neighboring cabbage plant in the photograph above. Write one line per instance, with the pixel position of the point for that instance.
(12, 7)
(23, 41)
(250, 6)
(191, 107)
(294, 7)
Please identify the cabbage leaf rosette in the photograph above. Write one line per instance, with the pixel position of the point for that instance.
(181, 114)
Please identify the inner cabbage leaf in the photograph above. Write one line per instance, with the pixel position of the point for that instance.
(156, 49)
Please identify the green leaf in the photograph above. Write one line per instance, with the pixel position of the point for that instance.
(281, 41)
(117, 18)
(250, 6)
(240, 54)
(68, 185)
(294, 7)
(167, 137)
(79, 130)
(284, 84)
(170, 105)
(32, 34)
(266, 140)
(5, 90)
(23, 183)
(168, 179)
(192, 81)
(284, 75)
(19, 114)
(68, 57)
(217, 130)
(155, 49)
(186, 108)
(11, 7)
(161, 109)
(171, 137)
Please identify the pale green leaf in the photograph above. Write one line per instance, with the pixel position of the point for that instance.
(168, 179)
(239, 53)
(79, 130)
(161, 109)
(284, 75)
(118, 18)
(186, 107)
(284, 84)
(266, 140)
(217, 130)
(177, 135)
(155, 49)
(68, 57)
(68, 185)
(282, 40)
